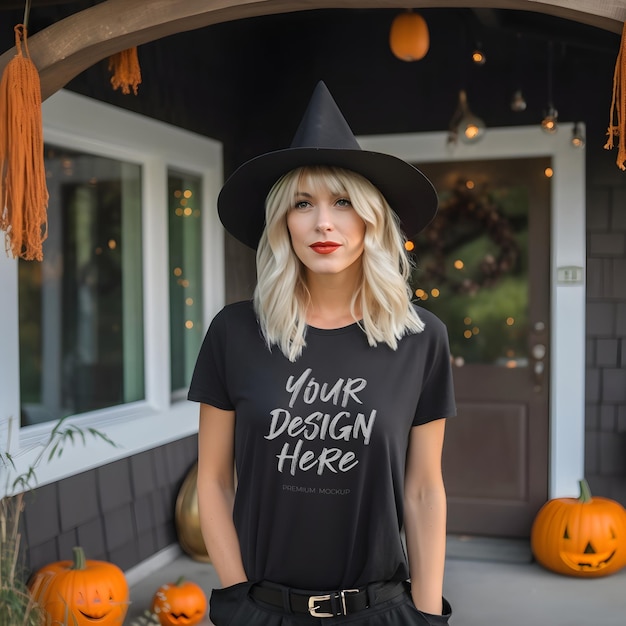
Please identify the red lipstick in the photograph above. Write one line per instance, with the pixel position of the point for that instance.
(324, 247)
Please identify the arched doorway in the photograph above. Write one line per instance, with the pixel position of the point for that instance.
(68, 47)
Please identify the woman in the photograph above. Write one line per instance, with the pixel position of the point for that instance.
(328, 393)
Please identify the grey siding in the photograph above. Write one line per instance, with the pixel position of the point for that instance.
(122, 512)
(605, 411)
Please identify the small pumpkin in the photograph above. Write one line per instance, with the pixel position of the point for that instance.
(584, 536)
(409, 38)
(182, 602)
(81, 592)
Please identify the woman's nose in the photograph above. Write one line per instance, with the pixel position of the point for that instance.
(324, 227)
(324, 221)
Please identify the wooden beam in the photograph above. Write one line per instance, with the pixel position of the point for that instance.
(66, 48)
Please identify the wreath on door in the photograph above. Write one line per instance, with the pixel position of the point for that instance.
(465, 215)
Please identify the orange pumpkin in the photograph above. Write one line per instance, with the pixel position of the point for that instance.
(582, 536)
(409, 38)
(182, 602)
(81, 592)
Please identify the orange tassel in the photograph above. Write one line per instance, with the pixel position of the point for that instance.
(23, 191)
(126, 70)
(618, 105)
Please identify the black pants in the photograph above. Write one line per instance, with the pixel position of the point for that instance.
(234, 606)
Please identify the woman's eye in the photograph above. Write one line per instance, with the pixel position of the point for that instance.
(302, 204)
(344, 202)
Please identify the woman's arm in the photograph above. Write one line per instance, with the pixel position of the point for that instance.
(425, 515)
(216, 492)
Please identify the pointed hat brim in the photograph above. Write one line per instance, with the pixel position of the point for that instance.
(323, 138)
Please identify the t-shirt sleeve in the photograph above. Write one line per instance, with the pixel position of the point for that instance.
(208, 383)
(437, 397)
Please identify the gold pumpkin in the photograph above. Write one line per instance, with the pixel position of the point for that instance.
(583, 536)
(187, 518)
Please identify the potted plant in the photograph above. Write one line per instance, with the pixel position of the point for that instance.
(17, 608)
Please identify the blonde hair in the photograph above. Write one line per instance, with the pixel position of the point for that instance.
(281, 296)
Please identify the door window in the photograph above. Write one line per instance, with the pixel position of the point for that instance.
(472, 265)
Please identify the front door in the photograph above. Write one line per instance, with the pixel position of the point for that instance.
(483, 267)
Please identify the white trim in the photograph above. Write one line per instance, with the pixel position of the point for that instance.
(567, 376)
(213, 249)
(9, 367)
(87, 125)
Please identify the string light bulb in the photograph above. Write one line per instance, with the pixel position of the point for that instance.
(549, 123)
(578, 137)
(518, 102)
(478, 56)
(469, 127)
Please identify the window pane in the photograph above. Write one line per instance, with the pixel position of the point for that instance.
(81, 315)
(185, 250)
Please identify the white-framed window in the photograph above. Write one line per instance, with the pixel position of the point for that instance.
(107, 328)
(81, 309)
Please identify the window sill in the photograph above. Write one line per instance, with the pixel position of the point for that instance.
(133, 428)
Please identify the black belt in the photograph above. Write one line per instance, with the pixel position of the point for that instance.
(326, 604)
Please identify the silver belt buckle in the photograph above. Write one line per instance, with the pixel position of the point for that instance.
(313, 610)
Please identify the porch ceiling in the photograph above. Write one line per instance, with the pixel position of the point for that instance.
(94, 30)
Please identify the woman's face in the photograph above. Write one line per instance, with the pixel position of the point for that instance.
(327, 234)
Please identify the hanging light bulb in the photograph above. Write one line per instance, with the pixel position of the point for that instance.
(518, 102)
(478, 56)
(464, 125)
(549, 121)
(578, 138)
(470, 128)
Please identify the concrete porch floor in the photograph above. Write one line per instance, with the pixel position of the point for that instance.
(513, 592)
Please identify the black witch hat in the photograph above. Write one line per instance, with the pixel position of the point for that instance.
(323, 138)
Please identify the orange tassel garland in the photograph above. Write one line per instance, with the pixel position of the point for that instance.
(126, 70)
(23, 191)
(618, 105)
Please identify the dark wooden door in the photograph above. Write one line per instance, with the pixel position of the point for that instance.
(483, 267)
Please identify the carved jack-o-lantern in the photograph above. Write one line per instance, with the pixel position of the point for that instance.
(180, 603)
(81, 592)
(582, 536)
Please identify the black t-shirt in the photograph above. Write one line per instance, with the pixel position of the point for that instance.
(320, 444)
